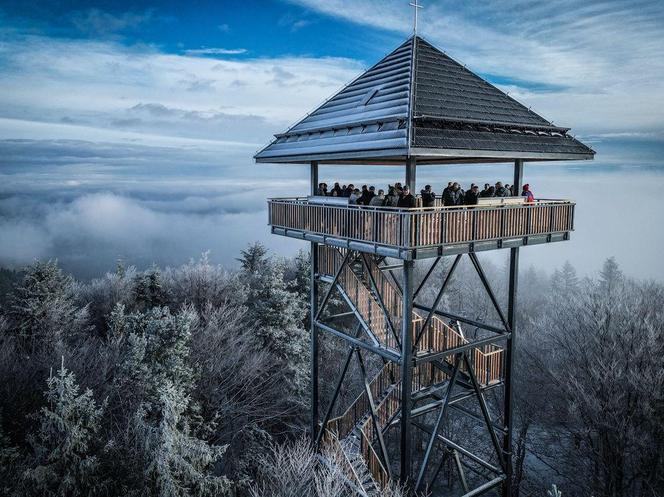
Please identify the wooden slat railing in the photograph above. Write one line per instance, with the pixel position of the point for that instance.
(423, 227)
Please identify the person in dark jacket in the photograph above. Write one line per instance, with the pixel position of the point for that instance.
(349, 189)
(447, 188)
(428, 197)
(364, 200)
(487, 191)
(336, 190)
(500, 190)
(472, 195)
(452, 196)
(406, 200)
(370, 195)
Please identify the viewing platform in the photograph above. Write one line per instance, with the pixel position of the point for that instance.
(422, 232)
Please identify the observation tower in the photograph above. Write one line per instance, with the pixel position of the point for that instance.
(416, 107)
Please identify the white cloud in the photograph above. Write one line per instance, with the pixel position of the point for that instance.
(216, 51)
(606, 55)
(97, 83)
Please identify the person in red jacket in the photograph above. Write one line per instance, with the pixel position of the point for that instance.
(527, 193)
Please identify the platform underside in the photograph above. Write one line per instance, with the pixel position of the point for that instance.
(422, 252)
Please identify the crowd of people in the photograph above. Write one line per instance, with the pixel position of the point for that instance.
(399, 195)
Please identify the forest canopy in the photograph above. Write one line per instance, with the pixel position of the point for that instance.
(194, 380)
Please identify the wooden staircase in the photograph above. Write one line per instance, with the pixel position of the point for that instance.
(353, 432)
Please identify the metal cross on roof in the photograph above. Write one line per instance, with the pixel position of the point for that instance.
(415, 6)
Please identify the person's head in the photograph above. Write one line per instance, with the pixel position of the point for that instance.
(364, 188)
(392, 192)
(372, 188)
(343, 187)
(472, 185)
(406, 190)
(357, 190)
(336, 185)
(526, 187)
(351, 186)
(449, 184)
(499, 184)
(486, 186)
(475, 188)
(427, 188)
(334, 193)
(320, 185)
(455, 186)
(492, 190)
(381, 192)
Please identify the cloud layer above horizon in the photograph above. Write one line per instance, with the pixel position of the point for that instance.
(152, 112)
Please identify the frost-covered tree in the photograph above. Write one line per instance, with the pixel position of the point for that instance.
(157, 378)
(276, 314)
(610, 277)
(43, 307)
(254, 258)
(175, 462)
(149, 290)
(101, 295)
(155, 351)
(200, 283)
(603, 352)
(63, 461)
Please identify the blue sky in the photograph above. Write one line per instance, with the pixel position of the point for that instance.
(138, 111)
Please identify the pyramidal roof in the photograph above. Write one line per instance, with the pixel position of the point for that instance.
(419, 103)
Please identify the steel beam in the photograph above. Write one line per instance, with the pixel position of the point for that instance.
(439, 422)
(332, 285)
(383, 352)
(426, 276)
(374, 415)
(340, 381)
(489, 290)
(314, 312)
(511, 344)
(437, 301)
(411, 167)
(462, 475)
(462, 450)
(485, 412)
(462, 319)
(379, 297)
(461, 348)
(406, 372)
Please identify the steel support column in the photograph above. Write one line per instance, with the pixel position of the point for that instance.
(411, 167)
(406, 371)
(511, 344)
(314, 312)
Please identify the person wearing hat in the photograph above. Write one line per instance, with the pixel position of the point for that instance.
(530, 198)
(406, 199)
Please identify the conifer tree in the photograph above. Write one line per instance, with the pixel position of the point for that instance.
(158, 378)
(176, 463)
(149, 290)
(43, 306)
(254, 258)
(610, 276)
(63, 463)
(277, 316)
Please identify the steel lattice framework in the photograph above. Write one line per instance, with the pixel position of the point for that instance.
(417, 106)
